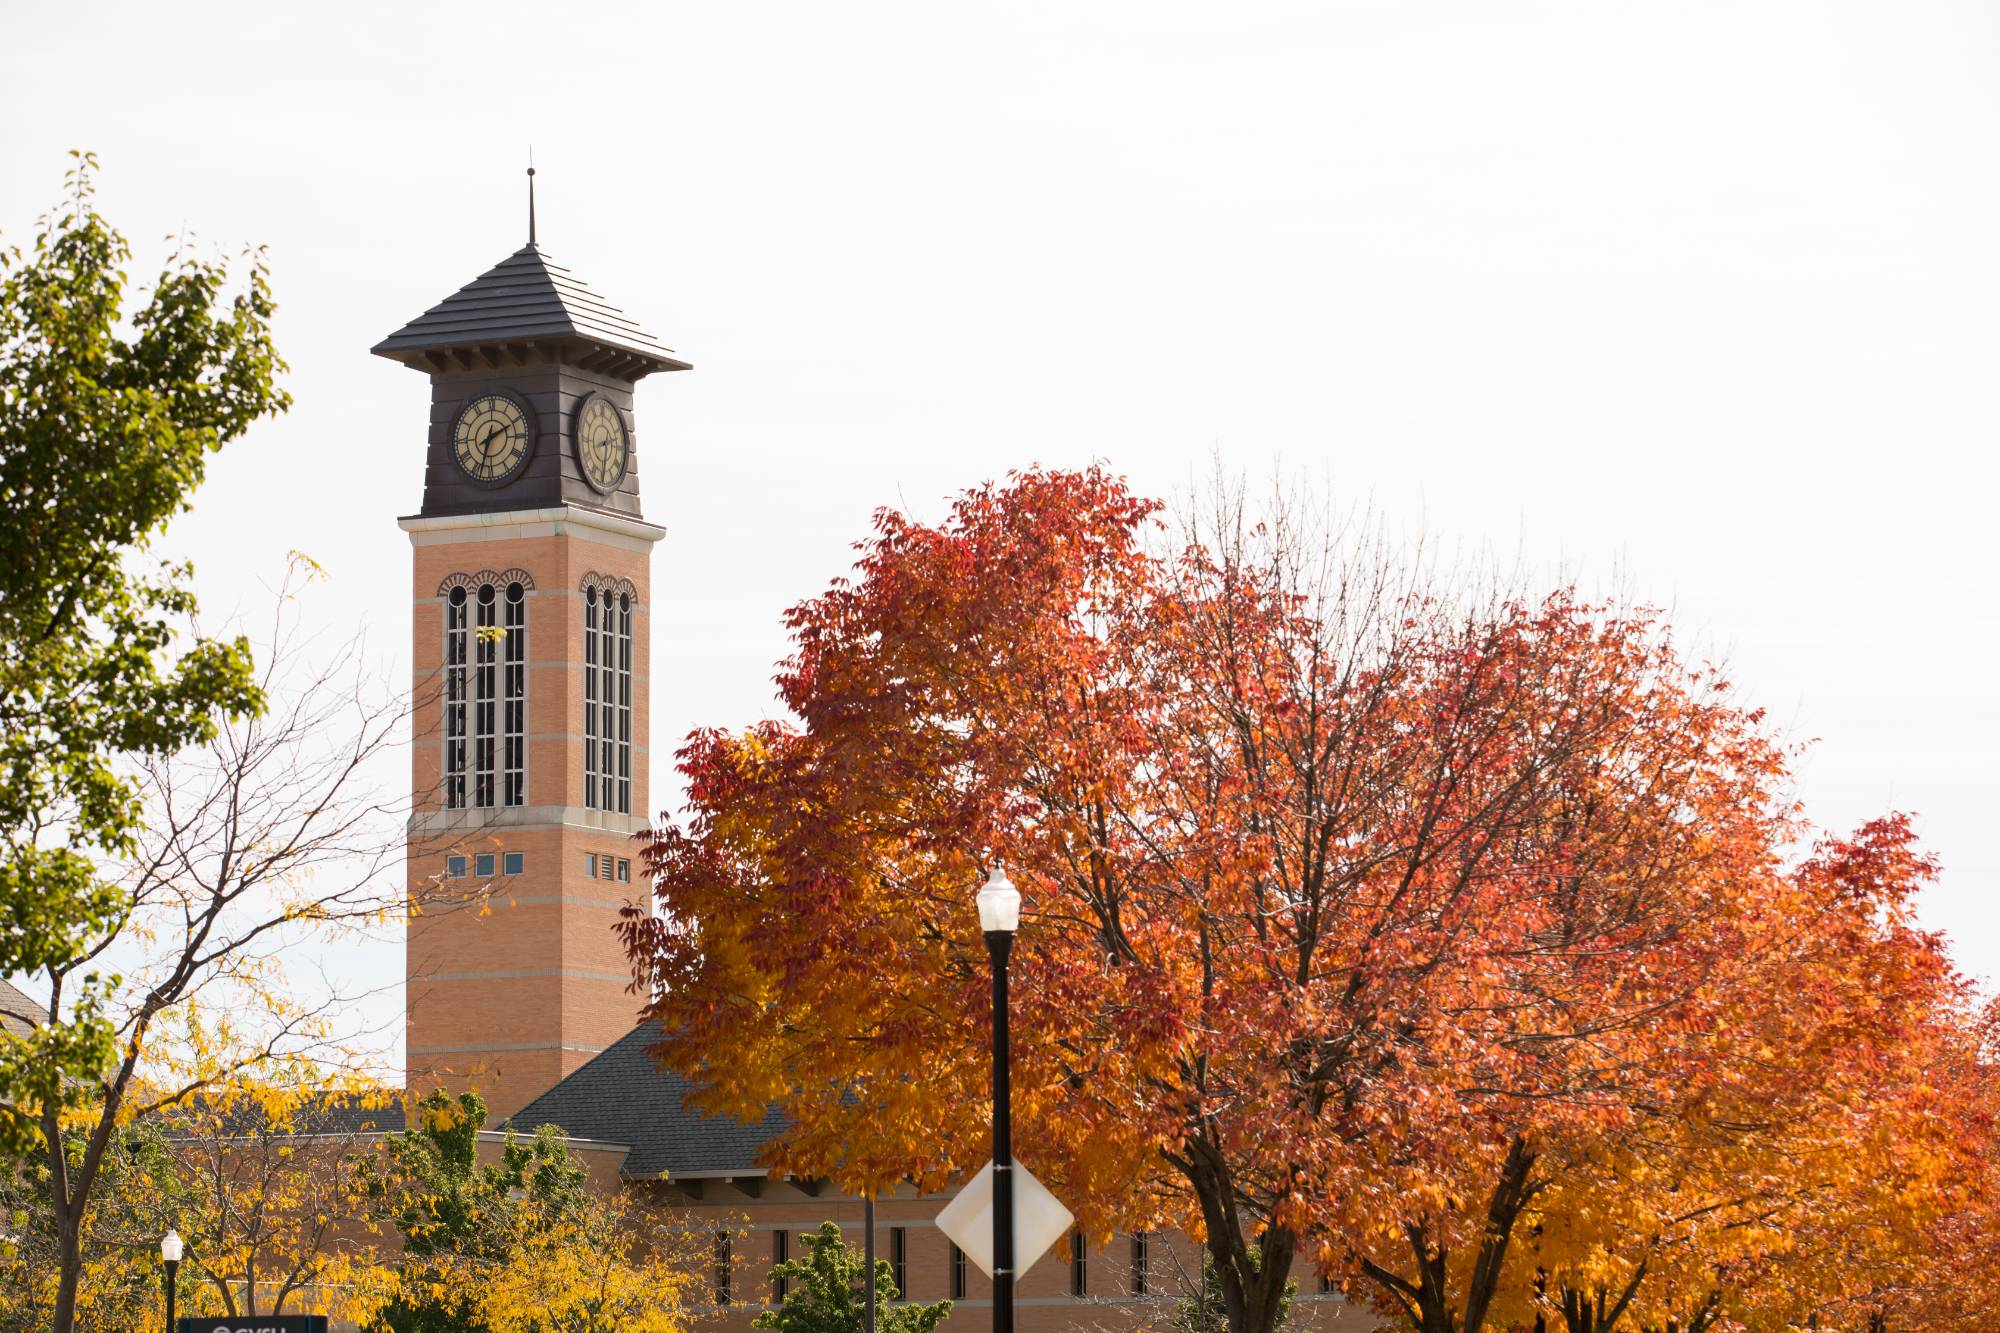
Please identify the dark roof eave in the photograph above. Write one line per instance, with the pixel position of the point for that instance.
(412, 352)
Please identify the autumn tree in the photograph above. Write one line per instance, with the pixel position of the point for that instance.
(139, 1190)
(107, 419)
(517, 1242)
(268, 836)
(266, 1192)
(1329, 863)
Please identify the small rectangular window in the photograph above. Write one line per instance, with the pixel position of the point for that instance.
(454, 866)
(722, 1268)
(513, 863)
(957, 1273)
(624, 869)
(483, 864)
(781, 1251)
(590, 864)
(1325, 1285)
(898, 1272)
(1139, 1263)
(1079, 1266)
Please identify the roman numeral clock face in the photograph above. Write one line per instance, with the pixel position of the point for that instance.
(492, 438)
(602, 448)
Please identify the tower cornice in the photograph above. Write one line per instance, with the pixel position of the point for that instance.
(435, 529)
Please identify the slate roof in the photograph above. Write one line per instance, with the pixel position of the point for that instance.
(331, 1116)
(526, 297)
(19, 1011)
(623, 1096)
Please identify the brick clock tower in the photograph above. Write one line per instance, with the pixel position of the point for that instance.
(532, 610)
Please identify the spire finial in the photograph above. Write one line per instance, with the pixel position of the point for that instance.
(531, 195)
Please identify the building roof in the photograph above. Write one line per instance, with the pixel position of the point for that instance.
(336, 1115)
(624, 1096)
(20, 1012)
(527, 299)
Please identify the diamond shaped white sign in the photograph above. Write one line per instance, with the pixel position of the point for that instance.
(1039, 1219)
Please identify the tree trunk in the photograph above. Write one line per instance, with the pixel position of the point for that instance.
(1252, 1284)
(1427, 1302)
(1597, 1311)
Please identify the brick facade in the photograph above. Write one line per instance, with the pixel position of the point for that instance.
(514, 981)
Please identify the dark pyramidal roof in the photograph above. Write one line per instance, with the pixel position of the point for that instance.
(527, 299)
(623, 1096)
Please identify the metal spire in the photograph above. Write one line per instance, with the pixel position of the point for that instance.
(531, 196)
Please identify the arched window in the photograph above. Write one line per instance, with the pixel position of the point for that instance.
(607, 696)
(486, 690)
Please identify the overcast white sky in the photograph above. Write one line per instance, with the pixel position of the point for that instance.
(1706, 294)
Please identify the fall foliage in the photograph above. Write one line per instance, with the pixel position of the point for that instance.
(1449, 939)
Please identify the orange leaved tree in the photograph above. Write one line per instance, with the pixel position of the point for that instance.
(1328, 869)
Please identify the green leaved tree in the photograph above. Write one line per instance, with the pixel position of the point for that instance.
(107, 419)
(825, 1293)
(458, 1217)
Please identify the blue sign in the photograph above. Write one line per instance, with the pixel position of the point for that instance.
(263, 1323)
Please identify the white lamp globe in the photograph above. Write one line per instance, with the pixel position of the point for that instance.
(170, 1247)
(999, 903)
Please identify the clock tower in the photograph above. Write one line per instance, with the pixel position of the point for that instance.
(532, 616)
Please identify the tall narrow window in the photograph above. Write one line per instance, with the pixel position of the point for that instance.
(957, 1273)
(485, 649)
(624, 798)
(607, 699)
(485, 692)
(899, 1271)
(1139, 1239)
(590, 723)
(723, 1266)
(456, 688)
(514, 723)
(781, 1248)
(1079, 1266)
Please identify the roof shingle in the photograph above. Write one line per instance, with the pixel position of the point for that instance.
(526, 297)
(624, 1096)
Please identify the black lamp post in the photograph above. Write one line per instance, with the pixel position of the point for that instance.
(1000, 917)
(170, 1255)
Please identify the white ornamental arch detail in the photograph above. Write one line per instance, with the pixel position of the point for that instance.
(610, 585)
(485, 577)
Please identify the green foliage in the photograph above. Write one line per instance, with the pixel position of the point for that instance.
(448, 1206)
(106, 426)
(1207, 1313)
(825, 1293)
(138, 1196)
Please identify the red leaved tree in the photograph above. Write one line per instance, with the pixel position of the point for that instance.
(1330, 870)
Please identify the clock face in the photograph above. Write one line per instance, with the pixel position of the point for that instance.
(602, 449)
(492, 438)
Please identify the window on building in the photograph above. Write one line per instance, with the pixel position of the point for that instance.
(590, 864)
(482, 865)
(723, 1275)
(781, 1252)
(486, 696)
(957, 1273)
(607, 700)
(899, 1271)
(1325, 1285)
(513, 863)
(454, 866)
(1139, 1245)
(1079, 1266)
(624, 870)
(455, 690)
